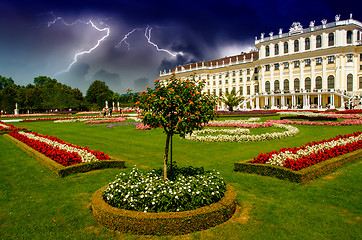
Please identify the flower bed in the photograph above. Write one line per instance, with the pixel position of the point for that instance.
(239, 135)
(306, 162)
(58, 150)
(61, 170)
(347, 122)
(160, 223)
(312, 153)
(114, 120)
(6, 128)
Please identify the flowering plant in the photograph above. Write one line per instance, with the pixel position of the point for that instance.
(311, 153)
(8, 127)
(149, 192)
(58, 150)
(178, 106)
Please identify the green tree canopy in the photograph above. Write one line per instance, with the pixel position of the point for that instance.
(178, 106)
(98, 92)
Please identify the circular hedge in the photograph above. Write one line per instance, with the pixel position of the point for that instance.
(174, 223)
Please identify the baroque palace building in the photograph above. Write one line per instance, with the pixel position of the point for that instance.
(317, 67)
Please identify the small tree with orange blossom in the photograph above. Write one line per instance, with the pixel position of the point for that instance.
(178, 106)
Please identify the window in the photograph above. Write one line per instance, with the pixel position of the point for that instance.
(276, 85)
(213, 83)
(349, 57)
(349, 37)
(318, 41)
(219, 75)
(330, 82)
(234, 89)
(286, 85)
(307, 62)
(226, 81)
(330, 59)
(350, 82)
(318, 82)
(296, 46)
(234, 80)
(240, 79)
(248, 71)
(308, 84)
(248, 79)
(267, 86)
(256, 88)
(220, 92)
(220, 82)
(276, 49)
(267, 67)
(256, 70)
(241, 91)
(267, 51)
(276, 66)
(234, 73)
(226, 74)
(318, 61)
(307, 43)
(360, 82)
(296, 84)
(296, 64)
(248, 90)
(255, 77)
(226, 90)
(331, 39)
(213, 77)
(286, 47)
(360, 57)
(286, 64)
(240, 72)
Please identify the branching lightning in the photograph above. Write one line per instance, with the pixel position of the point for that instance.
(76, 56)
(147, 35)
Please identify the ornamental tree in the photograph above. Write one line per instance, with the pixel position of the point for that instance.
(232, 99)
(178, 106)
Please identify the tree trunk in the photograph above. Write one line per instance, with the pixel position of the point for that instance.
(166, 156)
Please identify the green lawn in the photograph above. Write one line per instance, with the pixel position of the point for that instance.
(36, 204)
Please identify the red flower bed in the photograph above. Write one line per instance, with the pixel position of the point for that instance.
(315, 157)
(61, 156)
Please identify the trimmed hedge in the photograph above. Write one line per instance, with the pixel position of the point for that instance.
(61, 170)
(301, 176)
(173, 223)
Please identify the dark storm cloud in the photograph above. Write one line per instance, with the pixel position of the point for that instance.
(201, 30)
(141, 83)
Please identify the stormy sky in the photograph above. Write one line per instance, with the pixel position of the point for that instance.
(126, 43)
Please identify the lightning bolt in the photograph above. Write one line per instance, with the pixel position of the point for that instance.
(148, 37)
(89, 22)
(124, 39)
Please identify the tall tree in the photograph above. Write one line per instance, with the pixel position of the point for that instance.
(98, 92)
(178, 106)
(232, 99)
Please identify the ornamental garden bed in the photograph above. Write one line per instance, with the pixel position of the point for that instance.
(61, 170)
(306, 162)
(163, 223)
(310, 118)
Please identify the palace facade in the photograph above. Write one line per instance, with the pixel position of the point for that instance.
(317, 67)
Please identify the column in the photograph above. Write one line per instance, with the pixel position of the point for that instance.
(257, 103)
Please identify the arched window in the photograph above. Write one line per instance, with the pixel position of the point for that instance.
(308, 84)
(307, 43)
(276, 49)
(267, 86)
(331, 39)
(318, 82)
(349, 36)
(296, 84)
(286, 47)
(267, 51)
(330, 82)
(318, 41)
(296, 46)
(350, 82)
(286, 85)
(276, 85)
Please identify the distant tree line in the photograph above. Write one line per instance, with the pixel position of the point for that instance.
(47, 94)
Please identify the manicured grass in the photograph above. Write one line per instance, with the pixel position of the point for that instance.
(37, 204)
